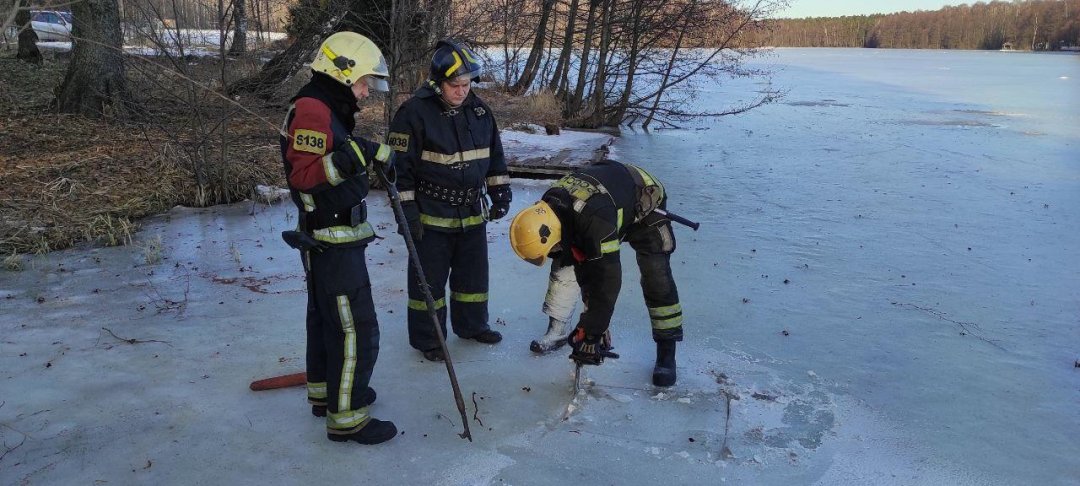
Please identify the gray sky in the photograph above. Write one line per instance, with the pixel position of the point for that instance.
(836, 8)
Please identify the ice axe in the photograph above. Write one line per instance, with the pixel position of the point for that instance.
(678, 219)
(399, 215)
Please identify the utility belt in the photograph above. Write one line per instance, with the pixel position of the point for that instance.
(319, 219)
(449, 195)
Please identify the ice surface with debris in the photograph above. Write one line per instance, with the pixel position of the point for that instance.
(904, 224)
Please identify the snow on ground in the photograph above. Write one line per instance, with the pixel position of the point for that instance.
(196, 43)
(878, 295)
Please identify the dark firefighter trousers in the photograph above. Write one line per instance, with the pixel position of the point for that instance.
(342, 335)
(463, 258)
(653, 242)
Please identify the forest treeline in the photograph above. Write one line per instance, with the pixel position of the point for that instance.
(1023, 25)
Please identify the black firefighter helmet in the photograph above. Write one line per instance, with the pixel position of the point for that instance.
(453, 60)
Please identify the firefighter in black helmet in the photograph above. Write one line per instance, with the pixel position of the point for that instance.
(452, 178)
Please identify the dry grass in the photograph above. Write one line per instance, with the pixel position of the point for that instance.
(68, 179)
(13, 262)
(152, 250)
(541, 108)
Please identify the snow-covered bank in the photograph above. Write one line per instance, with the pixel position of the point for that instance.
(539, 155)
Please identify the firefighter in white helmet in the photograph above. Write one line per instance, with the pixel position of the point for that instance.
(327, 172)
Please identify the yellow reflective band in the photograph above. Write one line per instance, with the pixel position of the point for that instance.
(464, 297)
(344, 234)
(359, 154)
(316, 390)
(610, 246)
(468, 55)
(407, 195)
(579, 189)
(437, 158)
(332, 174)
(498, 180)
(422, 306)
(669, 323)
(457, 64)
(348, 364)
(383, 154)
(666, 317)
(330, 55)
(308, 200)
(347, 421)
(649, 181)
(451, 222)
(665, 311)
(618, 221)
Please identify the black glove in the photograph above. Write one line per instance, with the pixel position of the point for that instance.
(501, 196)
(589, 349)
(498, 210)
(412, 219)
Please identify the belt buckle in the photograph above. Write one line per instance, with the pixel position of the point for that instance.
(470, 195)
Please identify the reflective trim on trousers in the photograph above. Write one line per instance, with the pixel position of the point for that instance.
(466, 297)
(422, 306)
(407, 195)
(348, 364)
(666, 317)
(348, 421)
(498, 180)
(316, 391)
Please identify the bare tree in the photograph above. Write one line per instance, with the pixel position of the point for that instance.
(240, 27)
(312, 22)
(528, 73)
(95, 77)
(28, 50)
(562, 67)
(630, 54)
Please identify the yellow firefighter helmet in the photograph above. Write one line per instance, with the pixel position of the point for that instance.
(534, 231)
(348, 56)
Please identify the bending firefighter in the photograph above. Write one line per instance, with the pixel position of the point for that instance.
(580, 222)
(327, 172)
(450, 161)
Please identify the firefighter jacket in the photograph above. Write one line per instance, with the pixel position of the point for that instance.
(326, 167)
(597, 207)
(447, 159)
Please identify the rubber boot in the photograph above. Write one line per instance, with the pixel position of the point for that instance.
(553, 339)
(664, 372)
(375, 431)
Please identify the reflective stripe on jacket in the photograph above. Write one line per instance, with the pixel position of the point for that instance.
(457, 149)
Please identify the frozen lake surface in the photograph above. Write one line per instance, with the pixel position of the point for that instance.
(885, 290)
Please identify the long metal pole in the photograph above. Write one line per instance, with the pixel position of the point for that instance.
(399, 213)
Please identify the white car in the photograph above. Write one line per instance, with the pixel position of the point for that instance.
(51, 25)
